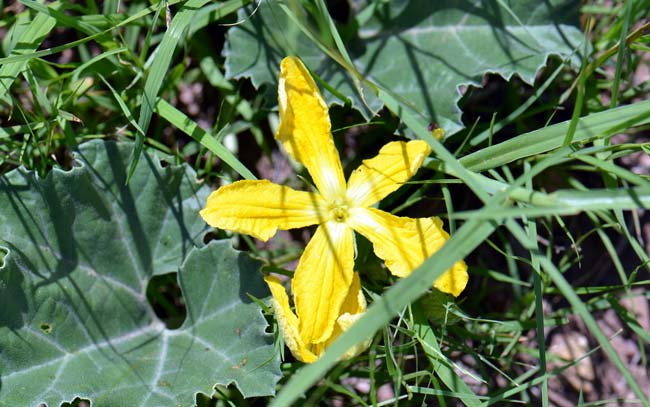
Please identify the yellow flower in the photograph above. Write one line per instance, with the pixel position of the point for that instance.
(326, 292)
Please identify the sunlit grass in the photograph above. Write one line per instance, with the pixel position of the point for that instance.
(541, 201)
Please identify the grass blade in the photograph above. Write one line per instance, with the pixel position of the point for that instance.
(187, 126)
(579, 308)
(31, 38)
(597, 125)
(161, 60)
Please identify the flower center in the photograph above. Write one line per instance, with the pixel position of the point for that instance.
(338, 210)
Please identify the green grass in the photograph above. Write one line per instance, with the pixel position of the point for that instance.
(541, 203)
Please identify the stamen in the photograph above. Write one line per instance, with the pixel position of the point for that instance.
(339, 210)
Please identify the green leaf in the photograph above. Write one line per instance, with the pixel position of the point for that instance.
(78, 251)
(439, 307)
(427, 49)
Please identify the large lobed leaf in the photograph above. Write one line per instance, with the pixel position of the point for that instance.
(77, 250)
(421, 50)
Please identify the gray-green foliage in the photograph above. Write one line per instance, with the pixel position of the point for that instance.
(421, 50)
(79, 249)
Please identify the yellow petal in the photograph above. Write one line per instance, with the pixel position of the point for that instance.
(352, 310)
(260, 208)
(305, 127)
(404, 243)
(377, 177)
(288, 322)
(355, 302)
(322, 280)
(453, 281)
(345, 321)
